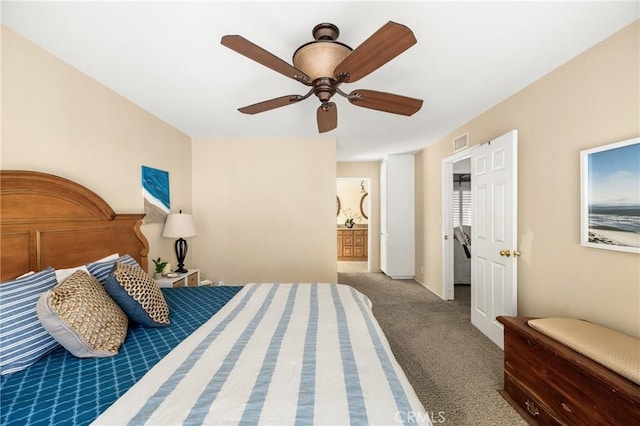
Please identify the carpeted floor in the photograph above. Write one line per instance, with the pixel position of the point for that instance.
(455, 370)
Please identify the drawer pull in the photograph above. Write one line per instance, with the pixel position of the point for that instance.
(531, 408)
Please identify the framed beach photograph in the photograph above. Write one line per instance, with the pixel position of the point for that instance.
(610, 196)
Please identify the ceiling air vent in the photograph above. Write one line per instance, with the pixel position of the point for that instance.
(461, 142)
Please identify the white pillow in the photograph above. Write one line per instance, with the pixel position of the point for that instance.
(26, 275)
(62, 274)
(111, 257)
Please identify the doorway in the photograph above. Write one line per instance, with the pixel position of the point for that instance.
(456, 225)
(353, 239)
(462, 210)
(494, 236)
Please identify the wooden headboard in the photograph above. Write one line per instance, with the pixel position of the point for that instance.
(46, 220)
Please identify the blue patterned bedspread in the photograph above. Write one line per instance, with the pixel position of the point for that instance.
(61, 389)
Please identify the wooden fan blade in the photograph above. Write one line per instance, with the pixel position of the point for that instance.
(258, 54)
(271, 104)
(387, 102)
(384, 45)
(327, 117)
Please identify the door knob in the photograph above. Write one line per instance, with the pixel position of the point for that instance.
(505, 253)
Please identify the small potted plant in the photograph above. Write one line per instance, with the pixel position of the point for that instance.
(350, 218)
(159, 267)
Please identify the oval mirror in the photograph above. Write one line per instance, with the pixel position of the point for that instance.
(364, 208)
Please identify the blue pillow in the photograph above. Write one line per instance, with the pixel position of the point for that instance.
(138, 295)
(23, 338)
(101, 270)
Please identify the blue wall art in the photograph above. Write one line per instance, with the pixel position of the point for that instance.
(155, 194)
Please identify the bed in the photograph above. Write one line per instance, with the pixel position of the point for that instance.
(267, 353)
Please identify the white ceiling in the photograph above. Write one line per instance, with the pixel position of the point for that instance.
(167, 58)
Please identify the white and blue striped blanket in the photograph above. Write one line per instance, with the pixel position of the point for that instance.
(278, 354)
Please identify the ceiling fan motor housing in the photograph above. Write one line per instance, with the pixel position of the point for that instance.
(325, 31)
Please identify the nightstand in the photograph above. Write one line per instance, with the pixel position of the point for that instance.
(190, 279)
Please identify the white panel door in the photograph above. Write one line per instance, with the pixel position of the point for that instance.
(397, 216)
(494, 234)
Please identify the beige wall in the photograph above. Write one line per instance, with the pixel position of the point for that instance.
(590, 101)
(265, 209)
(369, 170)
(57, 120)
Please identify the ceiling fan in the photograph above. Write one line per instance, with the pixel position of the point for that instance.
(324, 64)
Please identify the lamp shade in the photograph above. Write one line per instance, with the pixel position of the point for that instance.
(179, 225)
(319, 58)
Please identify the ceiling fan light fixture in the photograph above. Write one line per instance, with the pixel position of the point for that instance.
(318, 59)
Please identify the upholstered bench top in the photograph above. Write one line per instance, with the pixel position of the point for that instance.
(614, 350)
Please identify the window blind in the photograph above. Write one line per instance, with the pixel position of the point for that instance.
(463, 203)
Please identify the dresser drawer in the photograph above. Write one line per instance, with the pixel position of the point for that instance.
(192, 280)
(536, 412)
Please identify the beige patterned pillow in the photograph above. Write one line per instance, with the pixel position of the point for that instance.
(81, 316)
(138, 295)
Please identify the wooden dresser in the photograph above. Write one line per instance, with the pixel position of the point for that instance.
(554, 385)
(353, 244)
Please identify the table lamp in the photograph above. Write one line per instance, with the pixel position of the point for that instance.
(180, 226)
